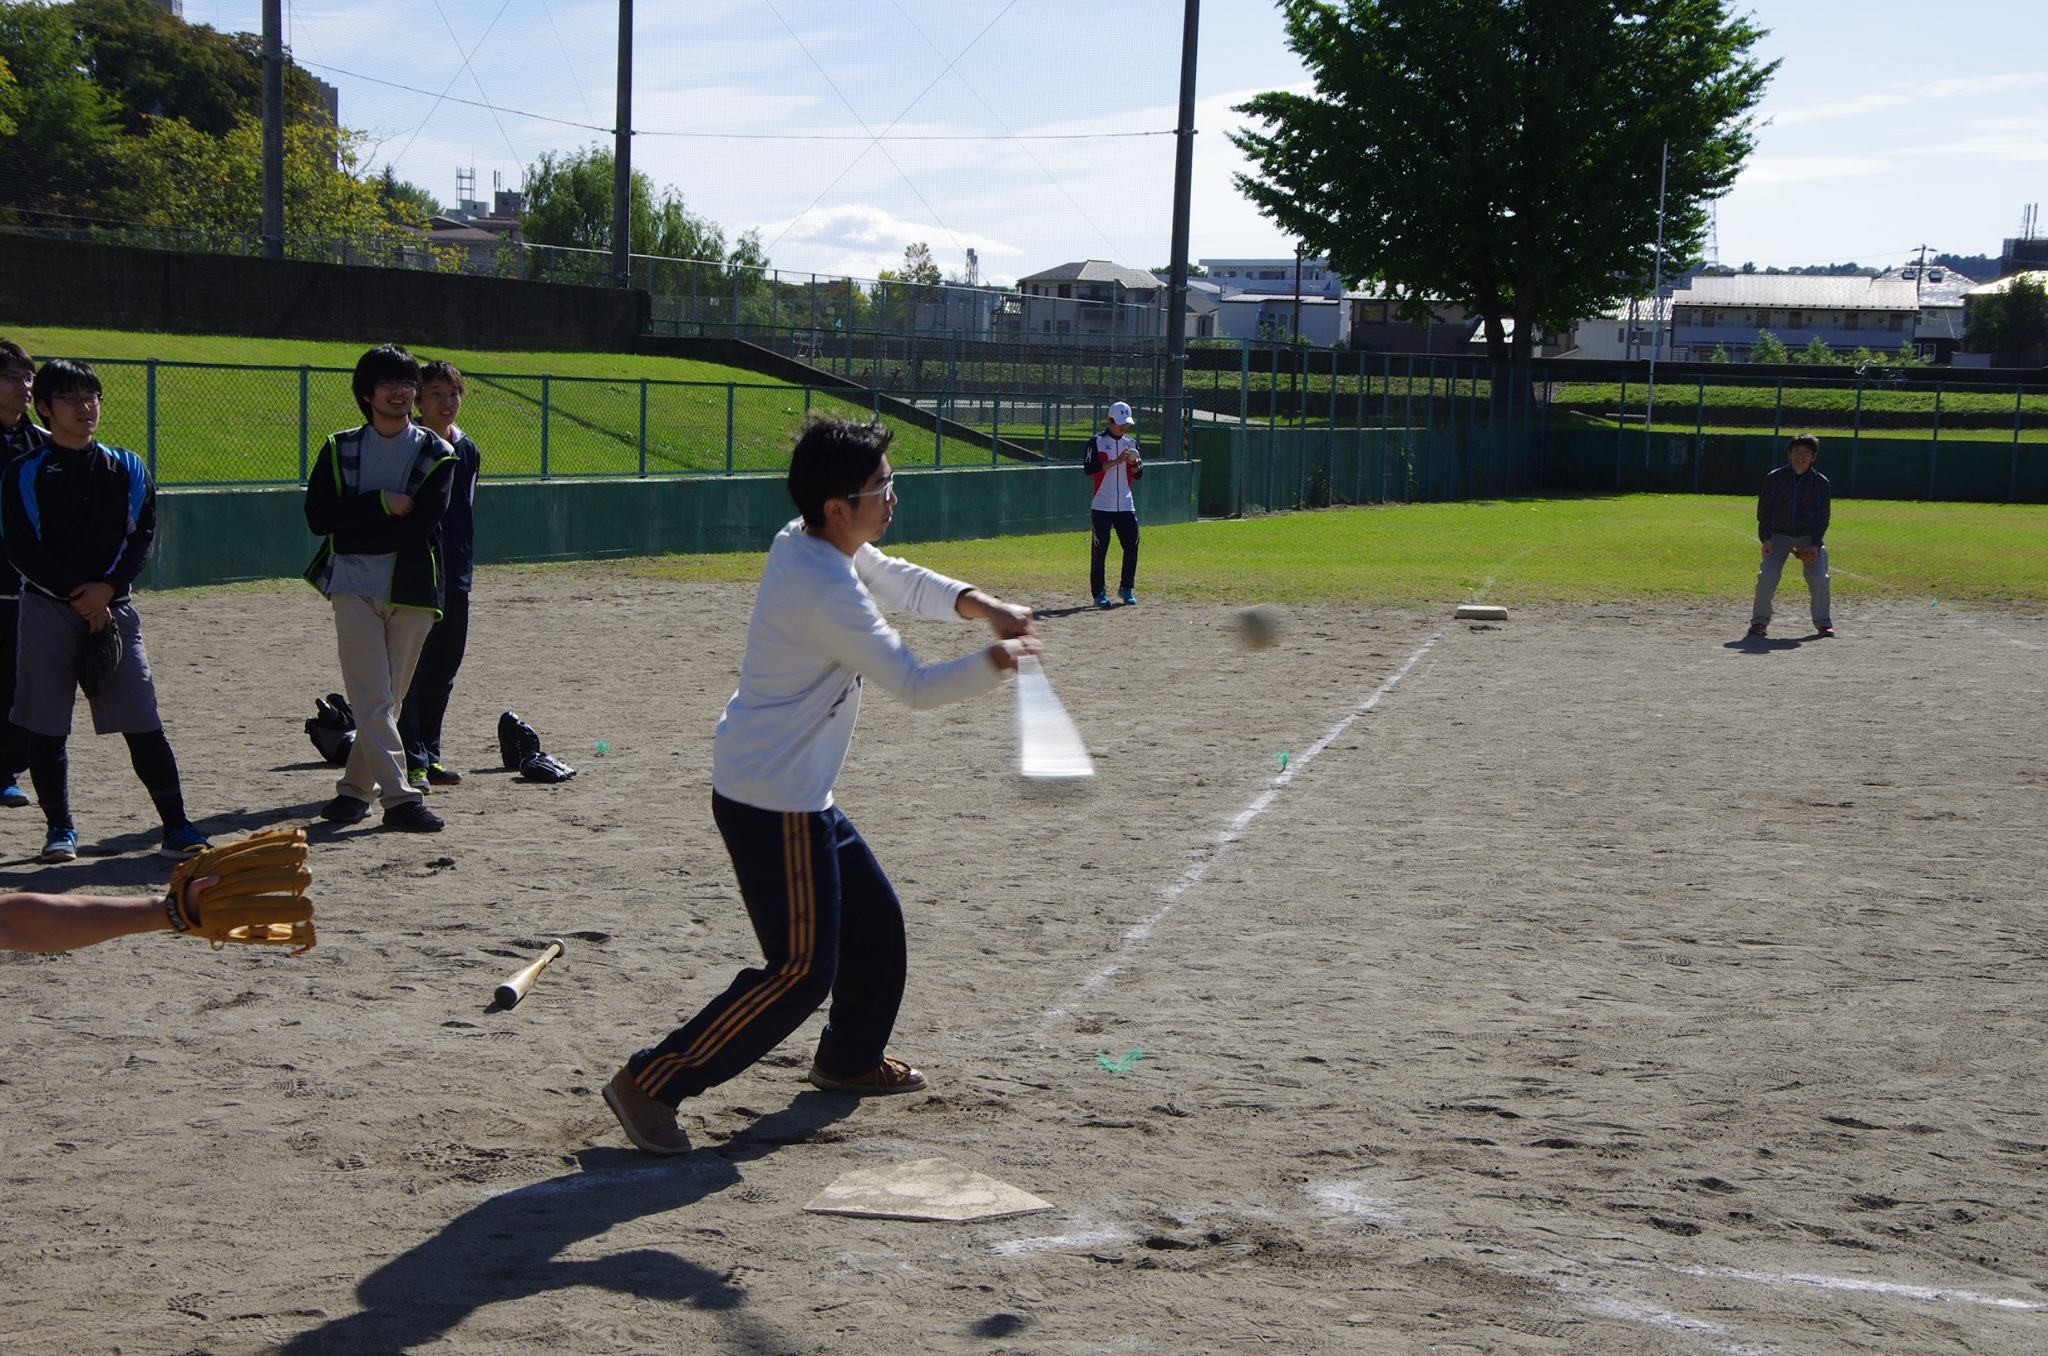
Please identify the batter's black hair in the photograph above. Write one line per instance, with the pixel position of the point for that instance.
(833, 459)
(61, 376)
(386, 362)
(1805, 440)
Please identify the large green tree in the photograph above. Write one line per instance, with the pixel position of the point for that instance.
(184, 179)
(153, 65)
(56, 158)
(569, 202)
(2012, 324)
(1504, 154)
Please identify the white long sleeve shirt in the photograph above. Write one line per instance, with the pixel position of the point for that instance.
(817, 632)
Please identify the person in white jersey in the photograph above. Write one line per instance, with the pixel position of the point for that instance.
(1113, 464)
(827, 919)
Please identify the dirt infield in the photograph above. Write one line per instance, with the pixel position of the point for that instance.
(1599, 987)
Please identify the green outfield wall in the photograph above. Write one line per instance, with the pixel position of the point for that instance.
(1255, 469)
(219, 536)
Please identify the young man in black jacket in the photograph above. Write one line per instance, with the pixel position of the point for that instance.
(433, 679)
(1792, 520)
(80, 518)
(376, 496)
(19, 436)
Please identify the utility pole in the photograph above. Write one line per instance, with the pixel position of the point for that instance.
(1657, 310)
(1294, 338)
(273, 129)
(622, 156)
(1177, 284)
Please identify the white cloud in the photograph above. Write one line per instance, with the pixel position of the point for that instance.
(1903, 93)
(1797, 169)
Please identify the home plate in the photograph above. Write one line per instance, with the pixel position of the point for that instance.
(929, 1189)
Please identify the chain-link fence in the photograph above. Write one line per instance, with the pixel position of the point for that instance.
(236, 424)
(1560, 426)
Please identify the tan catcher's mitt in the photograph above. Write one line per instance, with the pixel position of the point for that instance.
(260, 898)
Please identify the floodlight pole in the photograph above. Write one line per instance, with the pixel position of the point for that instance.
(622, 156)
(1177, 286)
(273, 129)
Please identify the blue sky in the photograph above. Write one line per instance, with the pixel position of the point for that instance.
(1885, 131)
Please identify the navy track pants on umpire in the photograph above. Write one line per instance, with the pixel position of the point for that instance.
(829, 923)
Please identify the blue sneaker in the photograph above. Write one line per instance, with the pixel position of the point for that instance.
(1130, 598)
(13, 797)
(1102, 600)
(184, 841)
(60, 846)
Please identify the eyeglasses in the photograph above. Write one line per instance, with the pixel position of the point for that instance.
(81, 399)
(887, 490)
(399, 382)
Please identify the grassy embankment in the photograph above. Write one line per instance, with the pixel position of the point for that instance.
(240, 423)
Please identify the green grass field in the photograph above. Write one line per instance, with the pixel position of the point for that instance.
(1522, 551)
(236, 419)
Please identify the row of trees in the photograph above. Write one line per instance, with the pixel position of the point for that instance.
(1769, 348)
(114, 114)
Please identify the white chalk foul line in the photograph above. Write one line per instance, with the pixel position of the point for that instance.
(1212, 851)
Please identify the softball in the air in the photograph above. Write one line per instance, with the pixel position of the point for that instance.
(1257, 627)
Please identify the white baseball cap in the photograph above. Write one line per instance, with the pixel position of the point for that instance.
(1120, 413)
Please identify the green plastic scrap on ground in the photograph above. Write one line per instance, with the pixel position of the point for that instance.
(1283, 760)
(1121, 1064)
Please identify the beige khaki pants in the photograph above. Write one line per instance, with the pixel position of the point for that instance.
(379, 644)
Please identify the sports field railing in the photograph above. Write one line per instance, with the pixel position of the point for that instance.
(1547, 430)
(237, 424)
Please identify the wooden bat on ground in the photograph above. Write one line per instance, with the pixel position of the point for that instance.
(515, 986)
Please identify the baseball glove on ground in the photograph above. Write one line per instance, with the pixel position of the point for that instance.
(99, 654)
(259, 899)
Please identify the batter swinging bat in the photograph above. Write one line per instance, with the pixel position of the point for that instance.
(515, 986)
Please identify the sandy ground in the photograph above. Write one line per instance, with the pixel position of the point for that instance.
(1597, 987)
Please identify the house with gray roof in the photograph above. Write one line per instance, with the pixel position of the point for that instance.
(1938, 332)
(1090, 298)
(1726, 311)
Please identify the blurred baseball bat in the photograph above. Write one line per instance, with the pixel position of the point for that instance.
(1049, 748)
(515, 986)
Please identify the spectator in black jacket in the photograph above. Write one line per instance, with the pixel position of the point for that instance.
(19, 436)
(80, 518)
(375, 496)
(1792, 520)
(433, 679)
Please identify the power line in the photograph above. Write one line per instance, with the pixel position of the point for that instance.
(738, 136)
(875, 142)
(451, 83)
(1114, 250)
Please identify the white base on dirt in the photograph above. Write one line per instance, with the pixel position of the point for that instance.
(1481, 612)
(931, 1190)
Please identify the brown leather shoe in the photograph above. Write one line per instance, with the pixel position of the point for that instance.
(651, 1125)
(891, 1076)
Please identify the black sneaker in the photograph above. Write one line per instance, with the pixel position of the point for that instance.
(413, 817)
(1757, 631)
(345, 810)
(1824, 630)
(440, 774)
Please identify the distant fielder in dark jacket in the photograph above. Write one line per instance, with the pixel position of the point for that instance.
(1792, 520)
